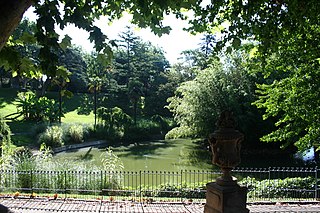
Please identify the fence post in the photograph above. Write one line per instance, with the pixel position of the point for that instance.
(31, 181)
(140, 180)
(181, 186)
(65, 184)
(316, 185)
(269, 179)
(101, 185)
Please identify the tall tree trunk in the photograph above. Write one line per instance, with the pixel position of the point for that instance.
(95, 108)
(60, 104)
(135, 106)
(11, 14)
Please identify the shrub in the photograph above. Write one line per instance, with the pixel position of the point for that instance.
(279, 188)
(39, 128)
(6, 148)
(37, 109)
(112, 123)
(52, 137)
(180, 132)
(75, 134)
(5, 131)
(143, 130)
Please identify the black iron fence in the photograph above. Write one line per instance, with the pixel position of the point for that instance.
(264, 184)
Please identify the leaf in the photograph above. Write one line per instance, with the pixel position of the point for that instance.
(14, 73)
(113, 43)
(236, 43)
(103, 59)
(63, 73)
(229, 49)
(28, 38)
(66, 42)
(66, 93)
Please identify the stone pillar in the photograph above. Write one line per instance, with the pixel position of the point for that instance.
(226, 199)
(225, 195)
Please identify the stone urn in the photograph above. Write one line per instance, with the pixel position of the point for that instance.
(225, 144)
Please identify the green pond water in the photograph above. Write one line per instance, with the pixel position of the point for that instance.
(164, 155)
(168, 155)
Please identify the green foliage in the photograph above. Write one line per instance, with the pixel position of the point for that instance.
(290, 91)
(279, 188)
(138, 69)
(75, 134)
(19, 55)
(72, 59)
(113, 119)
(5, 132)
(36, 109)
(39, 128)
(181, 132)
(53, 137)
(142, 131)
(5, 145)
(267, 22)
(198, 103)
(26, 167)
(111, 162)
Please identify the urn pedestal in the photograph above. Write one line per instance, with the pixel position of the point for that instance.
(225, 195)
(225, 199)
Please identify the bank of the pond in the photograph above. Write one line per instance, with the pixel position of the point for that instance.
(70, 147)
(163, 155)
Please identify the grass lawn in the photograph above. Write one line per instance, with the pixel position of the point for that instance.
(22, 130)
(7, 106)
(7, 97)
(73, 117)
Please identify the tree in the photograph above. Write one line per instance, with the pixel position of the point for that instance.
(83, 15)
(286, 34)
(270, 23)
(128, 41)
(11, 14)
(20, 56)
(135, 93)
(265, 21)
(62, 82)
(137, 67)
(290, 92)
(72, 58)
(198, 103)
(98, 78)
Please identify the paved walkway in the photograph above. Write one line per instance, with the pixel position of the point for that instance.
(77, 206)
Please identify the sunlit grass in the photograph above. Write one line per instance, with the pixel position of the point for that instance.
(7, 108)
(73, 117)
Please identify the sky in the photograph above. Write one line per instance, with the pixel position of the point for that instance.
(172, 44)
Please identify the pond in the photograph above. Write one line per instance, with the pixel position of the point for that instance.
(169, 155)
(163, 155)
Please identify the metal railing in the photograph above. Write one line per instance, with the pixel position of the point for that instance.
(264, 184)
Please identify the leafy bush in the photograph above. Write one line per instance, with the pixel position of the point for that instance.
(52, 137)
(37, 109)
(39, 128)
(5, 131)
(143, 130)
(279, 188)
(112, 123)
(180, 132)
(5, 146)
(75, 134)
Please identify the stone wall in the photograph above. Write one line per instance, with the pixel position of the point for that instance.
(78, 146)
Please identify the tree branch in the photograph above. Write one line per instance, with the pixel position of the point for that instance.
(11, 14)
